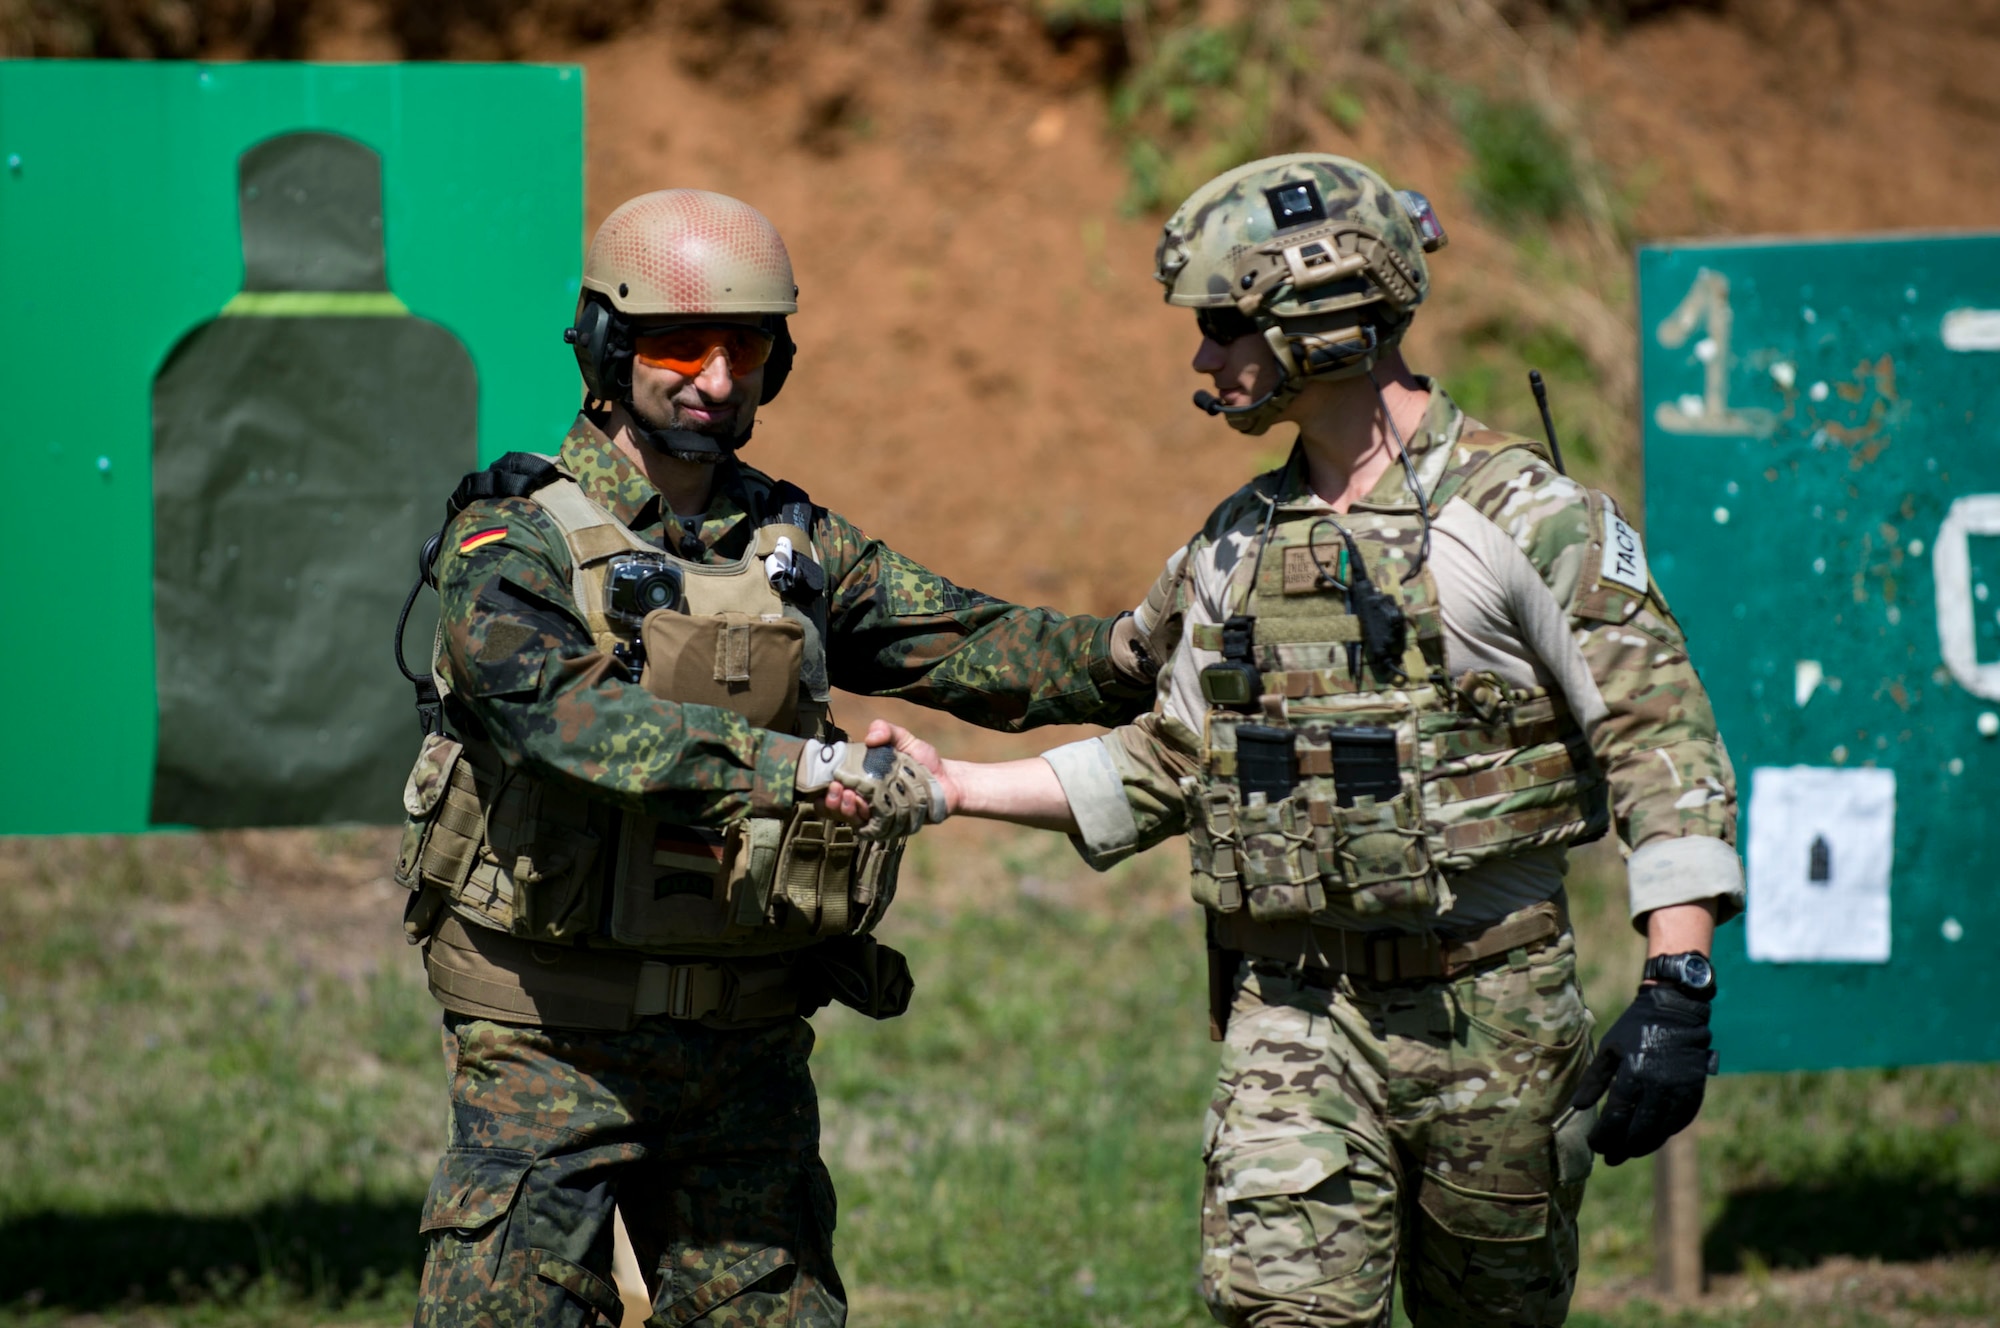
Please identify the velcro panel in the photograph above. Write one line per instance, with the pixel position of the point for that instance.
(598, 542)
(732, 652)
(1307, 629)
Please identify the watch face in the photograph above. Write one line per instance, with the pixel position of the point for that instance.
(1696, 972)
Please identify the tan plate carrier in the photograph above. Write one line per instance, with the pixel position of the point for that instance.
(558, 898)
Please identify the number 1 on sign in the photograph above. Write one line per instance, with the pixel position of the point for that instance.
(1706, 306)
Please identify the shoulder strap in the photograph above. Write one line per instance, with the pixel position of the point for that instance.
(1474, 452)
(787, 512)
(515, 475)
(790, 506)
(594, 537)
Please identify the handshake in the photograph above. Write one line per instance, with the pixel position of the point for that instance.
(891, 786)
(893, 783)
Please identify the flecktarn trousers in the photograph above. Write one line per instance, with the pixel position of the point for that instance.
(707, 1141)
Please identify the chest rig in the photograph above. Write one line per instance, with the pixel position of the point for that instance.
(508, 851)
(1358, 775)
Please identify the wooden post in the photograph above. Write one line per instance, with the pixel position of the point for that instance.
(1677, 1217)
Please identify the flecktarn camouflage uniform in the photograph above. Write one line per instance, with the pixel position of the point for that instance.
(1377, 1116)
(707, 1140)
(704, 1137)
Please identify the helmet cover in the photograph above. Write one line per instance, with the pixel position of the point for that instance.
(689, 251)
(1318, 251)
(1294, 236)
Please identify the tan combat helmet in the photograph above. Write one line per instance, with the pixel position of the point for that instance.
(1314, 252)
(688, 251)
(675, 253)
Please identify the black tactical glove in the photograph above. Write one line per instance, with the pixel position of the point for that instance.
(1656, 1062)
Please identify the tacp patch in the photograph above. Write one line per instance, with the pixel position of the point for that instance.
(1624, 556)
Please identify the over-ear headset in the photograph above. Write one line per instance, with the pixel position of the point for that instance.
(602, 340)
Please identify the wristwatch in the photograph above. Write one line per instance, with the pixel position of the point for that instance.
(1690, 973)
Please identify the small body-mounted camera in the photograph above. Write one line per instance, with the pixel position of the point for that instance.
(638, 584)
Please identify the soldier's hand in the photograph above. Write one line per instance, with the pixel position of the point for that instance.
(896, 796)
(1655, 1061)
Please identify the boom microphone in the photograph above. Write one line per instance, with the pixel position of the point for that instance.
(1211, 403)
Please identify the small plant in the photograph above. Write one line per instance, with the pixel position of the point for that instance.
(1521, 169)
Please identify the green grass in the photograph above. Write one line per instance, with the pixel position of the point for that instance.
(1521, 169)
(220, 1099)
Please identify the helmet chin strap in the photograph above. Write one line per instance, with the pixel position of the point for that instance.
(686, 444)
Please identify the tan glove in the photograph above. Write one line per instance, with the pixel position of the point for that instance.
(902, 796)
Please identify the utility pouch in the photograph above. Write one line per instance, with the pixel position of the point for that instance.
(858, 971)
(1217, 883)
(424, 795)
(1267, 760)
(1513, 773)
(813, 889)
(748, 663)
(1375, 852)
(1281, 874)
(671, 886)
(542, 861)
(441, 835)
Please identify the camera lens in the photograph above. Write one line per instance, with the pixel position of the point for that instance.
(657, 591)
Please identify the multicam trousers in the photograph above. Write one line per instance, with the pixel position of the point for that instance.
(707, 1142)
(1363, 1128)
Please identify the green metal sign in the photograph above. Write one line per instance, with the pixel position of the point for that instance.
(258, 319)
(1823, 512)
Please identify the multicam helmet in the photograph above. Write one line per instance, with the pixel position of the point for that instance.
(1317, 252)
(688, 251)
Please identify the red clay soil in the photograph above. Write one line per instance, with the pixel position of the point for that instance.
(988, 379)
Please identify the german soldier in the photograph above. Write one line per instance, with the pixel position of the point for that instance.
(639, 849)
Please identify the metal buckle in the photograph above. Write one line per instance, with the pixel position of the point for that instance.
(680, 992)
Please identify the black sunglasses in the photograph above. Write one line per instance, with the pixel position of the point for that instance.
(1223, 326)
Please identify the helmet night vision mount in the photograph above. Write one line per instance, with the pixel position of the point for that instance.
(670, 256)
(1315, 253)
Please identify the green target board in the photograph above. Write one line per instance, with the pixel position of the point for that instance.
(258, 319)
(1823, 513)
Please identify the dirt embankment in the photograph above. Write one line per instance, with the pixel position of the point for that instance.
(988, 379)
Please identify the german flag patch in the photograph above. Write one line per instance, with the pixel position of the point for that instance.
(482, 539)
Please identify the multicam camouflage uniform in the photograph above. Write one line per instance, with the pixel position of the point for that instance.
(705, 1137)
(1389, 1104)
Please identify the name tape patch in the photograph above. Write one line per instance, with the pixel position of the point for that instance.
(1624, 557)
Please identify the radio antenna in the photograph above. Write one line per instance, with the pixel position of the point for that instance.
(1541, 392)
